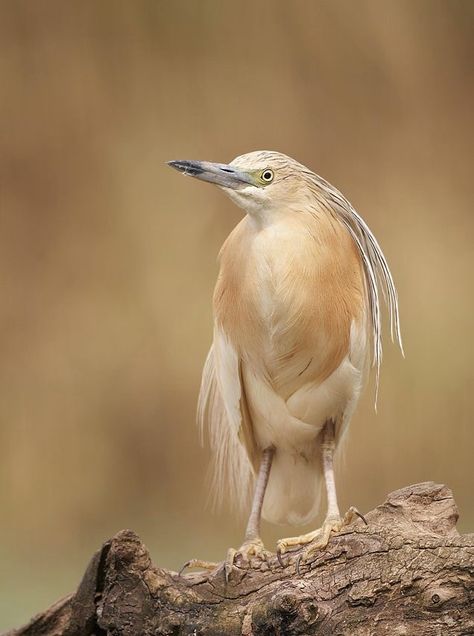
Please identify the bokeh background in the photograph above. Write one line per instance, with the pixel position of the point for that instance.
(108, 258)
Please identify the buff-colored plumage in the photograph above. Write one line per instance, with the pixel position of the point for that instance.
(296, 317)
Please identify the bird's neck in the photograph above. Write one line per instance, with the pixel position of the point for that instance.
(261, 217)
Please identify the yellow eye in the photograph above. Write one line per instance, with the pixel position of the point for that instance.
(267, 175)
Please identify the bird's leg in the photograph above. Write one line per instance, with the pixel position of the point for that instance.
(252, 532)
(318, 539)
(253, 545)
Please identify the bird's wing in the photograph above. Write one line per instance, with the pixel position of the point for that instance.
(223, 412)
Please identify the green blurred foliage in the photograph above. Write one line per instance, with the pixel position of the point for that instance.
(107, 257)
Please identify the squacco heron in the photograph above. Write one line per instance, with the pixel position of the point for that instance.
(297, 323)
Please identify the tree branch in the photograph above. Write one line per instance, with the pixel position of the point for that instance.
(407, 573)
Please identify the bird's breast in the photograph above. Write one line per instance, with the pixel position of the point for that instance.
(286, 296)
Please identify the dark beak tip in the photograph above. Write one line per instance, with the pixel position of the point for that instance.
(179, 165)
(186, 167)
(219, 174)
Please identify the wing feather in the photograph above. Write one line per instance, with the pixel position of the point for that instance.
(223, 413)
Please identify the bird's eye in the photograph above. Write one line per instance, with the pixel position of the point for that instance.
(267, 175)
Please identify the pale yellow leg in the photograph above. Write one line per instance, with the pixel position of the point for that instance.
(253, 545)
(318, 539)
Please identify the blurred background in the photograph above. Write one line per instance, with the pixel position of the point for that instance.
(108, 258)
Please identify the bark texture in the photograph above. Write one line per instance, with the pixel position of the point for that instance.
(408, 572)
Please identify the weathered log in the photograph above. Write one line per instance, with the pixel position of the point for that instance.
(408, 572)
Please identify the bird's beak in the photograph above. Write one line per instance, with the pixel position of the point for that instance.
(219, 173)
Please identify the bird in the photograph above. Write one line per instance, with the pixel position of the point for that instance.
(297, 328)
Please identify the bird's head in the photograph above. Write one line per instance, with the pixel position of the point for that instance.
(258, 182)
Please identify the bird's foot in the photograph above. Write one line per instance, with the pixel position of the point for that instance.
(198, 563)
(318, 539)
(248, 550)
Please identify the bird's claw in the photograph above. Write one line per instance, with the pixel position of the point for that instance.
(350, 516)
(315, 541)
(298, 563)
(250, 549)
(279, 552)
(198, 563)
(229, 563)
(318, 539)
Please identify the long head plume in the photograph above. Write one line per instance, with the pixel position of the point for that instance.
(377, 271)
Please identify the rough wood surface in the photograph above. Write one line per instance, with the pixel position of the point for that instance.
(407, 573)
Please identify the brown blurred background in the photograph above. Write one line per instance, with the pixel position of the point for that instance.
(108, 258)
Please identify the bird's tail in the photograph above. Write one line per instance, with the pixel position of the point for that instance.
(293, 494)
